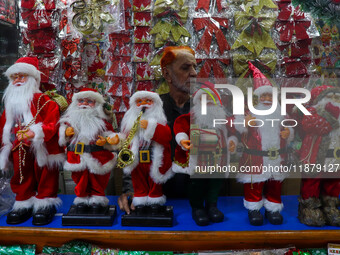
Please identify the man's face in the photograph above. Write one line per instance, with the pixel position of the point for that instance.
(19, 79)
(181, 70)
(144, 102)
(266, 98)
(86, 103)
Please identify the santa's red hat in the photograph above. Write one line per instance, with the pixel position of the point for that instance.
(320, 92)
(208, 88)
(260, 81)
(89, 93)
(26, 65)
(146, 94)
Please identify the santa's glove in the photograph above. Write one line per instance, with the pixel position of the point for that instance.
(69, 131)
(113, 140)
(332, 109)
(101, 141)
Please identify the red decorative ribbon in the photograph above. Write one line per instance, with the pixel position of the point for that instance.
(71, 67)
(69, 46)
(204, 4)
(121, 104)
(298, 48)
(120, 66)
(287, 27)
(213, 65)
(117, 82)
(296, 66)
(121, 42)
(213, 26)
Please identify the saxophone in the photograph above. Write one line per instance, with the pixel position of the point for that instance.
(125, 155)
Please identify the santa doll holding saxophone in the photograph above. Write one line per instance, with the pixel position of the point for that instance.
(146, 125)
(320, 190)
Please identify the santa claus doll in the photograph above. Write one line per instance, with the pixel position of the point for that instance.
(29, 142)
(150, 146)
(265, 146)
(320, 190)
(213, 147)
(90, 140)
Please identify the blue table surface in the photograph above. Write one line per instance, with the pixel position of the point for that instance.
(236, 217)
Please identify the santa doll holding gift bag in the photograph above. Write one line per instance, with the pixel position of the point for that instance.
(200, 144)
(320, 189)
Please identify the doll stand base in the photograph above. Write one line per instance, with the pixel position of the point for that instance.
(164, 218)
(104, 217)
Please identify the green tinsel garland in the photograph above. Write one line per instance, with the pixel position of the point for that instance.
(327, 10)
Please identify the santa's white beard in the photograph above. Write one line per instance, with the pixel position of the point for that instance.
(155, 112)
(207, 121)
(17, 99)
(270, 131)
(86, 122)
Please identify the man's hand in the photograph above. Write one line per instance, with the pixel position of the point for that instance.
(69, 131)
(186, 144)
(113, 140)
(22, 135)
(232, 146)
(144, 124)
(285, 133)
(248, 119)
(123, 203)
(101, 141)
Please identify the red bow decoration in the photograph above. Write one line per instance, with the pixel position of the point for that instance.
(127, 4)
(213, 26)
(121, 104)
(212, 65)
(204, 4)
(297, 49)
(42, 41)
(31, 4)
(118, 82)
(121, 42)
(38, 19)
(120, 66)
(47, 66)
(71, 67)
(69, 46)
(296, 66)
(144, 85)
(287, 27)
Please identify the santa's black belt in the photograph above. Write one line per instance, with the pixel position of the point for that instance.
(333, 153)
(272, 153)
(145, 155)
(80, 148)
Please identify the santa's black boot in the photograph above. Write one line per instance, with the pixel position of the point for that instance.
(330, 210)
(44, 215)
(200, 216)
(309, 212)
(214, 214)
(19, 216)
(255, 217)
(274, 218)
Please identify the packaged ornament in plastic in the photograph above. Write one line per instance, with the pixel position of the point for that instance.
(142, 35)
(120, 44)
(96, 16)
(141, 5)
(119, 66)
(142, 19)
(120, 86)
(144, 72)
(212, 68)
(94, 56)
(7, 197)
(141, 52)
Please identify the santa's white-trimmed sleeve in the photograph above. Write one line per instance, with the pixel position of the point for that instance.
(150, 130)
(181, 136)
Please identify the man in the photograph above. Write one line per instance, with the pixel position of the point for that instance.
(89, 136)
(178, 68)
(150, 145)
(265, 146)
(319, 198)
(29, 140)
(212, 148)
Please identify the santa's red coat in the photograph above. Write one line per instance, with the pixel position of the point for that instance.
(45, 142)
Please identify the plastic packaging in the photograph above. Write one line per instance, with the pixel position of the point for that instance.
(7, 197)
